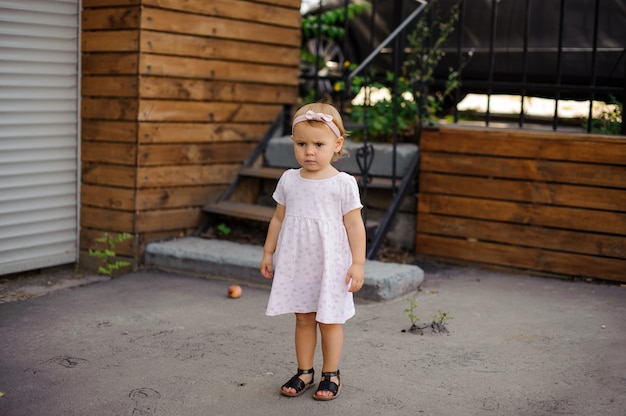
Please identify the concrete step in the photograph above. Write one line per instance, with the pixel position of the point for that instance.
(383, 281)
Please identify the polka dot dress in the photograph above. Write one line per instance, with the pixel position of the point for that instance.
(313, 254)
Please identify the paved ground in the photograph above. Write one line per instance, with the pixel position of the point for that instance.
(153, 343)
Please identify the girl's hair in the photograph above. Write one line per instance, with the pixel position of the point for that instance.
(331, 111)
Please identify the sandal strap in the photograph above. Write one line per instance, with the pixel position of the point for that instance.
(327, 385)
(296, 382)
(309, 371)
(330, 374)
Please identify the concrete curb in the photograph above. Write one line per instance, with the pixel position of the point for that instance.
(383, 281)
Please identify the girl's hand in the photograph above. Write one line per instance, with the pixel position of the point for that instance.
(266, 266)
(355, 277)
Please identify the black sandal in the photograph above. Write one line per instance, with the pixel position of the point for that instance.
(327, 385)
(297, 384)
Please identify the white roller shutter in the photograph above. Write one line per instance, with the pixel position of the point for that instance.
(39, 141)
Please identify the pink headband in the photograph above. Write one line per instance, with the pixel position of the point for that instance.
(313, 116)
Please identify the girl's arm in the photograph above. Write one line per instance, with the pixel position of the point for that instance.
(270, 241)
(356, 237)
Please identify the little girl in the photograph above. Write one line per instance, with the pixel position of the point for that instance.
(315, 248)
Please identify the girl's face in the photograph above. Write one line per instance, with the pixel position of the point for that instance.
(314, 147)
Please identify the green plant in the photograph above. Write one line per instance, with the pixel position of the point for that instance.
(108, 253)
(438, 324)
(440, 320)
(410, 312)
(224, 229)
(330, 22)
(321, 34)
(609, 120)
(416, 102)
(381, 119)
(426, 43)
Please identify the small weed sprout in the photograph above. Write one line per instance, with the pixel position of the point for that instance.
(224, 229)
(410, 312)
(439, 322)
(106, 254)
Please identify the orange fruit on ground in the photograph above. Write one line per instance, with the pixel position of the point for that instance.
(234, 291)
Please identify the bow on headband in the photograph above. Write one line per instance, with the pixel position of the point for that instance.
(313, 116)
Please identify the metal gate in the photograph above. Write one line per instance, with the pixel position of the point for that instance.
(39, 139)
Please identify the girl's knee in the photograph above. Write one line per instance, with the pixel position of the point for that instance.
(331, 328)
(306, 319)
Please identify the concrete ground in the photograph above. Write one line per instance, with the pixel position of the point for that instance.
(156, 343)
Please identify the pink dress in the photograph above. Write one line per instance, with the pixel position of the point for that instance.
(313, 254)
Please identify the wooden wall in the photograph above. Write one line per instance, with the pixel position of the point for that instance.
(175, 94)
(539, 202)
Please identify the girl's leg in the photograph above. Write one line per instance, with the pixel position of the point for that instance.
(332, 344)
(306, 339)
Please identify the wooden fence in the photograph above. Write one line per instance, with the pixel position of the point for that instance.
(539, 202)
(175, 94)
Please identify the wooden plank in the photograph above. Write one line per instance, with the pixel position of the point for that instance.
(523, 235)
(114, 153)
(167, 132)
(183, 154)
(110, 86)
(108, 130)
(538, 170)
(107, 219)
(164, 220)
(248, 191)
(110, 63)
(215, 90)
(111, 18)
(218, 49)
(110, 41)
(293, 4)
(241, 210)
(161, 20)
(113, 175)
(176, 66)
(164, 176)
(160, 110)
(177, 197)
(285, 3)
(107, 197)
(262, 172)
(109, 108)
(236, 10)
(524, 191)
(522, 257)
(526, 144)
(520, 213)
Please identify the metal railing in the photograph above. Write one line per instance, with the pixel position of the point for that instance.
(367, 149)
(484, 72)
(555, 57)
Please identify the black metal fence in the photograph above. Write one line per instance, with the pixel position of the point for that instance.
(565, 49)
